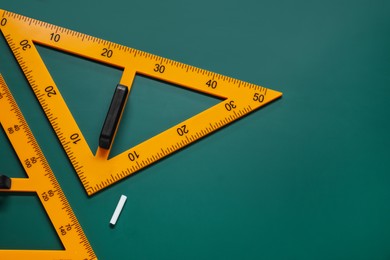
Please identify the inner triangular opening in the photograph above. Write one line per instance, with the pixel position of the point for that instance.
(24, 224)
(152, 107)
(86, 86)
(9, 162)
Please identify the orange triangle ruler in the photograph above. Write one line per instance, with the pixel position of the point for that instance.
(94, 168)
(41, 181)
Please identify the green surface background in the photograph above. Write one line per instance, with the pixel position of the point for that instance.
(307, 177)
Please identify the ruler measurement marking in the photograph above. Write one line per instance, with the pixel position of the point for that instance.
(45, 184)
(191, 77)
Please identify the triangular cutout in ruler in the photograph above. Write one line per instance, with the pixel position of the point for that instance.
(88, 107)
(41, 181)
(94, 169)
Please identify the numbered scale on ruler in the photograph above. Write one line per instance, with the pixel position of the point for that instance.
(42, 182)
(94, 169)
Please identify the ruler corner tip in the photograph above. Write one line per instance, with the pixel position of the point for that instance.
(276, 93)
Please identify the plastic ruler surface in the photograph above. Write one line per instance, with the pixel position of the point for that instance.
(94, 168)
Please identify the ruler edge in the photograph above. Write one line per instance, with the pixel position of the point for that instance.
(119, 45)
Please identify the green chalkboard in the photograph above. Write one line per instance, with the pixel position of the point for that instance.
(306, 177)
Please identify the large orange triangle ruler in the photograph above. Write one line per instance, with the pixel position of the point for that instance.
(94, 168)
(41, 181)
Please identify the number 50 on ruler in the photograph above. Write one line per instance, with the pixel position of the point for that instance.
(94, 168)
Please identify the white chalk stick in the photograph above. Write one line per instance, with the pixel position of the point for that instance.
(118, 210)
